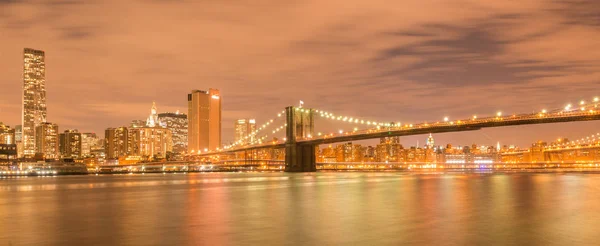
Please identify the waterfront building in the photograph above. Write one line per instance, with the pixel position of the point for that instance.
(178, 124)
(34, 98)
(244, 129)
(116, 142)
(88, 142)
(70, 144)
(150, 142)
(328, 155)
(389, 149)
(8, 147)
(204, 120)
(7, 135)
(46, 135)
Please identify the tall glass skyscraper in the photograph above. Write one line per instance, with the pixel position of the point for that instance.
(204, 120)
(34, 97)
(178, 124)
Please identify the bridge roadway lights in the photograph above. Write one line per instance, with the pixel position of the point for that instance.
(300, 158)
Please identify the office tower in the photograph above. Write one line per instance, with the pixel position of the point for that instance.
(430, 141)
(88, 141)
(7, 135)
(204, 120)
(150, 142)
(19, 140)
(70, 144)
(116, 142)
(46, 136)
(243, 131)
(178, 124)
(18, 133)
(34, 97)
(153, 120)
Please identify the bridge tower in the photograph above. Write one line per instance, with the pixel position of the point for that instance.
(299, 125)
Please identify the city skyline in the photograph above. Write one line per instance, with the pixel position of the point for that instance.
(426, 66)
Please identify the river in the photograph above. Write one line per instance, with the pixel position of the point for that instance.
(325, 208)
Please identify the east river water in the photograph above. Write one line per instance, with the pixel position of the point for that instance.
(326, 208)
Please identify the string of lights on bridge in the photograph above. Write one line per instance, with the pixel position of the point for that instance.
(375, 126)
(592, 140)
(254, 135)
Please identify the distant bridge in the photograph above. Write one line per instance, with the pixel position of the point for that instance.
(300, 140)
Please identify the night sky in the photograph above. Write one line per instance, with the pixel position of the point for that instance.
(386, 60)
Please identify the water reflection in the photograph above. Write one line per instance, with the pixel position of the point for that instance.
(318, 208)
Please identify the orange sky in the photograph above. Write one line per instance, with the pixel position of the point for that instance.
(386, 60)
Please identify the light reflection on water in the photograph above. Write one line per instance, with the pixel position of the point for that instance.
(308, 209)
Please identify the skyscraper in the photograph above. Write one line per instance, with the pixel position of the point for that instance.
(150, 142)
(178, 124)
(70, 144)
(46, 136)
(153, 120)
(243, 130)
(117, 142)
(204, 120)
(88, 142)
(7, 135)
(430, 141)
(34, 97)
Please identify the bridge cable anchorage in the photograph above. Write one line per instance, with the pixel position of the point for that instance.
(252, 137)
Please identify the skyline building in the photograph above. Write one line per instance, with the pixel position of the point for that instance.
(34, 97)
(243, 130)
(153, 120)
(178, 124)
(430, 142)
(116, 142)
(204, 120)
(7, 135)
(46, 136)
(89, 141)
(150, 142)
(70, 144)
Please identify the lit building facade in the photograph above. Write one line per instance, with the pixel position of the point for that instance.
(46, 135)
(243, 130)
(34, 97)
(178, 124)
(204, 120)
(70, 144)
(430, 142)
(7, 135)
(150, 142)
(89, 141)
(116, 142)
(153, 119)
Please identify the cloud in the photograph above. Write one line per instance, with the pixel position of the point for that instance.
(415, 61)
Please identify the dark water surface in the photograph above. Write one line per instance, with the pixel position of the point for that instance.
(302, 209)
